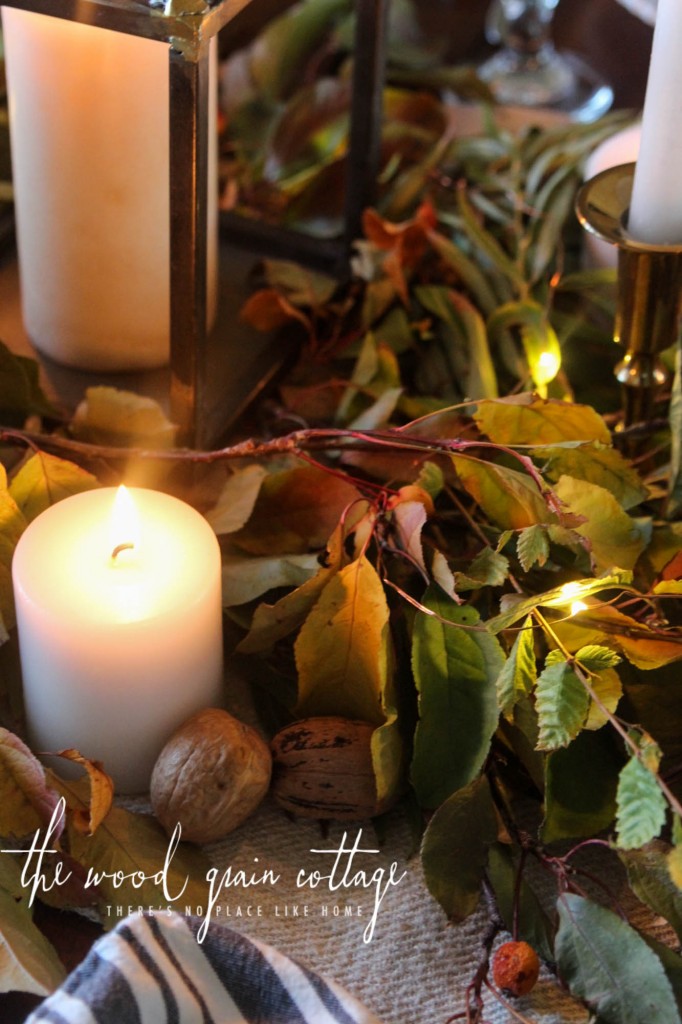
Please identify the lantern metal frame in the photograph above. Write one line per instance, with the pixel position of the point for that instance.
(188, 26)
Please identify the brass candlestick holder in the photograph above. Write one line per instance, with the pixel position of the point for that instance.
(649, 300)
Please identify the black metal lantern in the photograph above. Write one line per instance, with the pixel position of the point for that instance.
(188, 28)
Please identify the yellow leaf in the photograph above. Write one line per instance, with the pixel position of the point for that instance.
(12, 525)
(675, 865)
(602, 624)
(609, 689)
(45, 480)
(614, 538)
(341, 650)
(29, 962)
(509, 498)
(126, 847)
(110, 416)
(668, 587)
(526, 419)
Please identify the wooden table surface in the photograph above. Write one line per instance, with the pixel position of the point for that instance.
(607, 36)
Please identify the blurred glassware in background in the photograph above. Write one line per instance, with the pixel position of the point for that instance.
(528, 71)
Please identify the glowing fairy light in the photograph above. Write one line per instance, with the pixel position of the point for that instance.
(547, 367)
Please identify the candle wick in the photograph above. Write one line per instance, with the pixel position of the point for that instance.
(128, 546)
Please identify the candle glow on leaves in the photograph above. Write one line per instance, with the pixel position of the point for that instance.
(570, 591)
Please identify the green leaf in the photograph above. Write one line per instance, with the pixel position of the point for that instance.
(237, 499)
(595, 658)
(113, 417)
(532, 547)
(486, 243)
(26, 802)
(296, 511)
(519, 673)
(45, 480)
(20, 392)
(534, 926)
(488, 569)
(28, 962)
(301, 285)
(376, 373)
(455, 848)
(272, 622)
(342, 648)
(562, 703)
(528, 420)
(474, 279)
(510, 499)
(650, 881)
(580, 787)
(430, 479)
(641, 806)
(614, 538)
(457, 704)
(247, 578)
(283, 47)
(466, 331)
(609, 966)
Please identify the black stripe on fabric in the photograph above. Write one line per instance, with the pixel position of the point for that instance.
(161, 939)
(253, 984)
(148, 962)
(49, 1015)
(104, 988)
(326, 996)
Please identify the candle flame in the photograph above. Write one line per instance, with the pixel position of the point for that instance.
(125, 525)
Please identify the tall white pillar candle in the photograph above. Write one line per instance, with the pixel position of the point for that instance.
(656, 204)
(118, 648)
(90, 151)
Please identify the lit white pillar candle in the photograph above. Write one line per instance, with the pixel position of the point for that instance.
(90, 149)
(118, 647)
(656, 205)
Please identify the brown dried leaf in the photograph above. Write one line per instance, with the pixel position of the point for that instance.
(101, 793)
(296, 511)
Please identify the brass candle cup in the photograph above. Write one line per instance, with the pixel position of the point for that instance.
(649, 297)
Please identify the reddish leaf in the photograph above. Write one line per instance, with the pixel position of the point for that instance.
(296, 511)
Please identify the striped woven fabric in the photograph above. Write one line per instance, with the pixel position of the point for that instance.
(152, 970)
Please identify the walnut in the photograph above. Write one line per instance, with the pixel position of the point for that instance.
(210, 776)
(323, 769)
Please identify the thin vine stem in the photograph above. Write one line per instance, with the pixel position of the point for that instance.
(312, 439)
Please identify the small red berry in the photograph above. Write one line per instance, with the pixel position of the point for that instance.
(515, 968)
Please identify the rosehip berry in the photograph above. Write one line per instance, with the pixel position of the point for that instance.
(515, 968)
